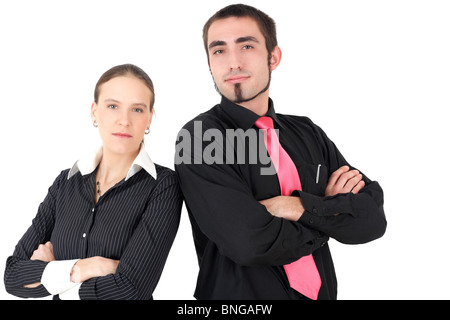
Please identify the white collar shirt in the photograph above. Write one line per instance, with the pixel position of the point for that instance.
(56, 277)
(89, 163)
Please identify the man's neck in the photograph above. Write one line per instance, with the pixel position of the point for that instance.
(259, 105)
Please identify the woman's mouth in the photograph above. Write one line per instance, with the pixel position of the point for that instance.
(121, 135)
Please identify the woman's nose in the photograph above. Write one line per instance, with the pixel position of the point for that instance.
(124, 118)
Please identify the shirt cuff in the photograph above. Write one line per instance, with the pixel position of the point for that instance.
(327, 206)
(56, 276)
(313, 204)
(71, 294)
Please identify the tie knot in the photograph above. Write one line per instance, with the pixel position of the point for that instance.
(264, 123)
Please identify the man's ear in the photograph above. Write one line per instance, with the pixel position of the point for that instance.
(275, 58)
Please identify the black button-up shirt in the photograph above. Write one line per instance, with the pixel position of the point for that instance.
(135, 222)
(240, 246)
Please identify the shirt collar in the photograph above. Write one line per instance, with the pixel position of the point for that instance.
(89, 163)
(244, 117)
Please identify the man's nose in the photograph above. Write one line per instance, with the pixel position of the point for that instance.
(234, 62)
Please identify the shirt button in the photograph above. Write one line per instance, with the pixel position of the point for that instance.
(84, 235)
(311, 221)
(93, 209)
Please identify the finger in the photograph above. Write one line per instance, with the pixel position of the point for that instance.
(336, 175)
(34, 255)
(358, 187)
(346, 177)
(37, 254)
(352, 182)
(75, 274)
(49, 245)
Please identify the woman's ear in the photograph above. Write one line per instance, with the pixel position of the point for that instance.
(275, 58)
(150, 118)
(94, 112)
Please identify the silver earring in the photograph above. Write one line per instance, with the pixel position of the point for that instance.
(147, 131)
(95, 124)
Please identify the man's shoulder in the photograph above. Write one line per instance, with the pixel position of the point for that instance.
(213, 118)
(302, 124)
(295, 119)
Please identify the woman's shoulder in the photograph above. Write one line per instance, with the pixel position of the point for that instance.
(63, 176)
(162, 170)
(165, 174)
(166, 181)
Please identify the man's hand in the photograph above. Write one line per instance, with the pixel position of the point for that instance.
(44, 252)
(289, 208)
(344, 180)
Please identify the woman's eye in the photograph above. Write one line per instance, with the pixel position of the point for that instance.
(138, 110)
(111, 106)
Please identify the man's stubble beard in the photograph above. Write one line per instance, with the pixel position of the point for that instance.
(238, 92)
(238, 97)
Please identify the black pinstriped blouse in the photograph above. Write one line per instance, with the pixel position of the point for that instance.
(135, 222)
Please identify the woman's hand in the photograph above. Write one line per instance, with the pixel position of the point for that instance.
(44, 252)
(83, 269)
(88, 268)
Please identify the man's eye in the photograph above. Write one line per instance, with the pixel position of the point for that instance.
(246, 47)
(218, 51)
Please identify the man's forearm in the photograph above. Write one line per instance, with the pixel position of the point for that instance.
(348, 218)
(286, 207)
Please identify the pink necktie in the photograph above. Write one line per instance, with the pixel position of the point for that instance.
(302, 274)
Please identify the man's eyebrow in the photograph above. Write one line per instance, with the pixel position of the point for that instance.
(238, 40)
(216, 44)
(246, 39)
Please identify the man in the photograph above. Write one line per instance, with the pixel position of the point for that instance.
(245, 230)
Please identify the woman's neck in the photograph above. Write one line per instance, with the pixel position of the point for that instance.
(114, 167)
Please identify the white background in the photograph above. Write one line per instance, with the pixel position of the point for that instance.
(375, 75)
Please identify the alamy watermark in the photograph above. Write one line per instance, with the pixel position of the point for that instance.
(235, 146)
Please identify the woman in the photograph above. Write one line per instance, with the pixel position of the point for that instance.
(106, 225)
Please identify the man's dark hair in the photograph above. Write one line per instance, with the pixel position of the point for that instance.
(266, 24)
